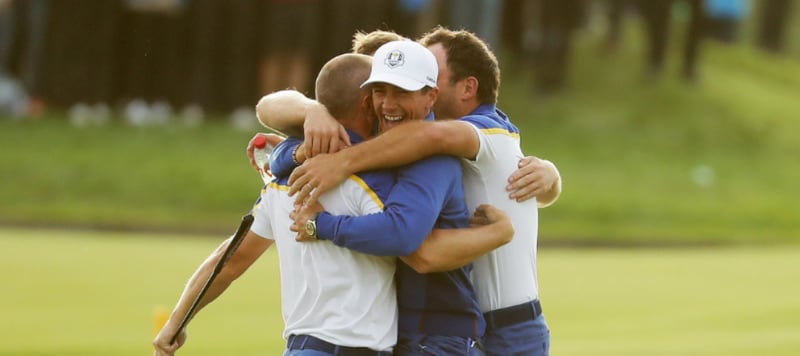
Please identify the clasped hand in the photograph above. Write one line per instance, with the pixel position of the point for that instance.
(300, 215)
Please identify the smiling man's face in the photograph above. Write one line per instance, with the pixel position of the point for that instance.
(394, 105)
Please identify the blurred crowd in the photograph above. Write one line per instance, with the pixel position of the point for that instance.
(157, 59)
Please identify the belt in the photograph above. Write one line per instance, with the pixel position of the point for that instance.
(303, 342)
(512, 315)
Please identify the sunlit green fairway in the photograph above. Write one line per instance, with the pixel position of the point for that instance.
(93, 293)
(705, 301)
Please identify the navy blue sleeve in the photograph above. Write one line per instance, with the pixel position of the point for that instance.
(281, 162)
(410, 211)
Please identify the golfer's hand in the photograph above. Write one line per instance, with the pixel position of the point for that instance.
(323, 134)
(300, 216)
(535, 177)
(495, 219)
(272, 139)
(316, 176)
(487, 214)
(161, 343)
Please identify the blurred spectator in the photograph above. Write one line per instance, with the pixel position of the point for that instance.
(615, 10)
(511, 30)
(6, 36)
(12, 97)
(292, 32)
(200, 44)
(149, 75)
(412, 18)
(433, 15)
(657, 15)
(481, 17)
(22, 44)
(772, 20)
(343, 18)
(241, 62)
(82, 59)
(548, 27)
(724, 17)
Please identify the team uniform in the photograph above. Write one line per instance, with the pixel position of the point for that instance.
(438, 312)
(505, 279)
(335, 301)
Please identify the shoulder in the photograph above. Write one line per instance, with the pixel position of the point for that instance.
(491, 125)
(375, 182)
(374, 178)
(488, 118)
(479, 121)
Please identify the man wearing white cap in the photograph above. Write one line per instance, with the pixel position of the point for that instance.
(514, 293)
(438, 311)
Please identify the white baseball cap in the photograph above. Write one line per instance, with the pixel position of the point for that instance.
(405, 64)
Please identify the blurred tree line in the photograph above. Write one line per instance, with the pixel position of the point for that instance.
(191, 57)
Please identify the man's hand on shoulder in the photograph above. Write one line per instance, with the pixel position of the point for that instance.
(322, 132)
(535, 178)
(316, 176)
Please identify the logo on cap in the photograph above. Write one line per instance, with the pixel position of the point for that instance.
(395, 58)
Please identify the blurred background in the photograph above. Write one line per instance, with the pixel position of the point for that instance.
(95, 58)
(672, 121)
(674, 124)
(611, 90)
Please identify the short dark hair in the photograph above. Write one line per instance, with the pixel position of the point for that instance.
(338, 84)
(468, 55)
(368, 43)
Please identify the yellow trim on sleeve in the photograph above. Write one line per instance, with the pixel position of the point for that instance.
(499, 131)
(367, 189)
(277, 186)
(355, 178)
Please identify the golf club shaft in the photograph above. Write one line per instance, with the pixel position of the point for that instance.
(244, 227)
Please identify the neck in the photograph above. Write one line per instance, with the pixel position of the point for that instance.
(467, 108)
(360, 125)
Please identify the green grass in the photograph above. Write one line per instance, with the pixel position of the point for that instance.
(629, 149)
(85, 293)
(95, 293)
(117, 176)
(643, 163)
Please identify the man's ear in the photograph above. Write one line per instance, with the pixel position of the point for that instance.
(366, 103)
(432, 95)
(470, 90)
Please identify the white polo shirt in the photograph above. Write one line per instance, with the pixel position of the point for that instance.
(507, 275)
(332, 293)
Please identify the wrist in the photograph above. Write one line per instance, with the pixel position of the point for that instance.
(311, 226)
(347, 162)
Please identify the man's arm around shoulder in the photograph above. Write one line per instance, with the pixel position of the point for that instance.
(411, 142)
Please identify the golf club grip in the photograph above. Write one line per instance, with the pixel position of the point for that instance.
(244, 227)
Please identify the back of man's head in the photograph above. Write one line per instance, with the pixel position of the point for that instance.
(468, 55)
(338, 84)
(369, 42)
